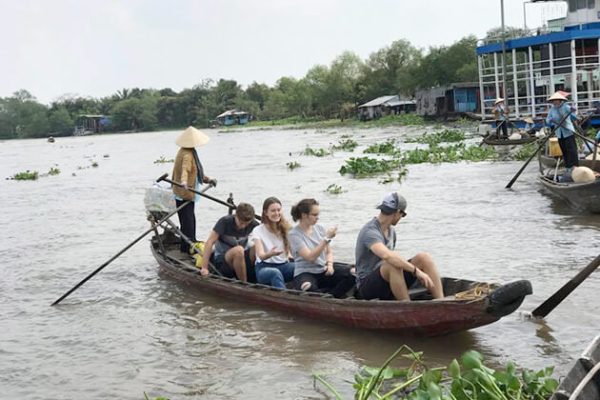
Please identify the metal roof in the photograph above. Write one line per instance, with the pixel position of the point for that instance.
(394, 103)
(379, 101)
(523, 43)
(231, 112)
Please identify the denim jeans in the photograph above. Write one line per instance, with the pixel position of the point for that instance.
(274, 274)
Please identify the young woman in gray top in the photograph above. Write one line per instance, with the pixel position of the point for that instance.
(310, 247)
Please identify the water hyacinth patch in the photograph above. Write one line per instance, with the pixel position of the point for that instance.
(464, 379)
(387, 147)
(345, 145)
(525, 151)
(163, 160)
(25, 176)
(54, 171)
(365, 166)
(292, 165)
(445, 136)
(315, 152)
(453, 153)
(334, 189)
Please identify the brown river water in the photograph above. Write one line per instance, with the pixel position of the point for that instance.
(128, 331)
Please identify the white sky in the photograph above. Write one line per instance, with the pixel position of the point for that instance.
(96, 47)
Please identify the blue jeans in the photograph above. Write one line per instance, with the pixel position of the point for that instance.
(274, 274)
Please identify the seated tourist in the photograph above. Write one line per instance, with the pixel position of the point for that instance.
(310, 247)
(233, 257)
(272, 247)
(381, 272)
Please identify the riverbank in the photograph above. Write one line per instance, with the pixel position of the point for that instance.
(383, 122)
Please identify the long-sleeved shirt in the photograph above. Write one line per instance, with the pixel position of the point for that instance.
(555, 115)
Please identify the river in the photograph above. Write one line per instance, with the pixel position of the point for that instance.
(128, 331)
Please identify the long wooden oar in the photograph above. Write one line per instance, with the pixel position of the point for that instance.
(231, 205)
(543, 143)
(554, 300)
(100, 268)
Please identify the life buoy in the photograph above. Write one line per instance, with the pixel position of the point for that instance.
(507, 298)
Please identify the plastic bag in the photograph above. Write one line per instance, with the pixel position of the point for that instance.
(159, 199)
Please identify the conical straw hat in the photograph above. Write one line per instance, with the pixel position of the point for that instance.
(557, 96)
(192, 137)
(498, 100)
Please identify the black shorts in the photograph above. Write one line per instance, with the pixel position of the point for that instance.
(373, 286)
(227, 270)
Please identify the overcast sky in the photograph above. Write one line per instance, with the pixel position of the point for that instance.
(96, 47)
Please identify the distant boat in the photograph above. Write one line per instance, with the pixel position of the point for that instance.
(51, 139)
(584, 196)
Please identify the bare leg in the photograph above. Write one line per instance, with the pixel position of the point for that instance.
(424, 262)
(235, 258)
(395, 277)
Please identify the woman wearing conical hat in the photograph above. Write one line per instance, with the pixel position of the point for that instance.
(501, 116)
(189, 172)
(565, 131)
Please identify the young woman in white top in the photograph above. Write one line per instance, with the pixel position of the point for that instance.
(272, 246)
(309, 242)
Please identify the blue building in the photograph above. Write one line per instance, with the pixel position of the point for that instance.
(563, 55)
(450, 100)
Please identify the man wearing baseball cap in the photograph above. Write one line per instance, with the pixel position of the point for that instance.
(381, 272)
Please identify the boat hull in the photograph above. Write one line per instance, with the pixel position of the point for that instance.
(584, 196)
(426, 317)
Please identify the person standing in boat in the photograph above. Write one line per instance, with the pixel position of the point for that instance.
(189, 172)
(233, 257)
(272, 248)
(565, 132)
(382, 273)
(310, 247)
(501, 117)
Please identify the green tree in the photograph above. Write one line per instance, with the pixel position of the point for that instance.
(60, 122)
(135, 114)
(385, 70)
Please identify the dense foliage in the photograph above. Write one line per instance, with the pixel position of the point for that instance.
(464, 379)
(325, 92)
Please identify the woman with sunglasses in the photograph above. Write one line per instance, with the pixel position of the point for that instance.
(311, 249)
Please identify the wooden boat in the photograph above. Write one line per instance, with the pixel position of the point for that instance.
(582, 382)
(467, 305)
(493, 140)
(584, 196)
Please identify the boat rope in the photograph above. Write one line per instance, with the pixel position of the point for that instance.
(480, 290)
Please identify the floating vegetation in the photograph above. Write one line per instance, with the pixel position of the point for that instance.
(464, 379)
(525, 151)
(292, 165)
(365, 166)
(454, 153)
(389, 178)
(163, 160)
(345, 145)
(445, 136)
(308, 151)
(387, 147)
(25, 176)
(54, 171)
(334, 189)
